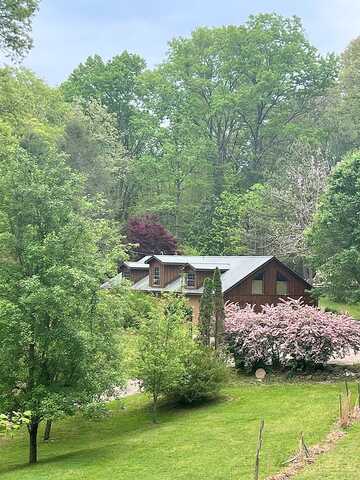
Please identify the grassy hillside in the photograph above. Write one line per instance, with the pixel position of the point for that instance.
(216, 441)
(342, 463)
(352, 309)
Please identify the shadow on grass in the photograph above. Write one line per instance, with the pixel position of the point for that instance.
(136, 420)
(83, 457)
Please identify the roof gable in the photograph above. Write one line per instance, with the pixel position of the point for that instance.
(234, 268)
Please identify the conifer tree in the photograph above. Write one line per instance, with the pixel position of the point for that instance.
(206, 312)
(219, 312)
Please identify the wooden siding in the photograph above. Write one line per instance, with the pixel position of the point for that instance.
(241, 293)
(134, 274)
(194, 301)
(200, 277)
(168, 273)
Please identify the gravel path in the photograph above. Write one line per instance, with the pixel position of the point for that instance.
(131, 388)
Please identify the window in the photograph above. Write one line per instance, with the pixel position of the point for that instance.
(257, 284)
(190, 279)
(156, 276)
(281, 284)
(126, 274)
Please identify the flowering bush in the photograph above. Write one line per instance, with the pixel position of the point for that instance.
(289, 334)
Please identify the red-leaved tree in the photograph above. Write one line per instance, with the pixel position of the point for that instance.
(289, 334)
(149, 236)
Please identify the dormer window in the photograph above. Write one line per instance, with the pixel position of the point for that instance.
(156, 277)
(257, 284)
(190, 279)
(281, 284)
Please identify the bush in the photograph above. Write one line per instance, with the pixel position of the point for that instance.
(137, 307)
(204, 374)
(289, 334)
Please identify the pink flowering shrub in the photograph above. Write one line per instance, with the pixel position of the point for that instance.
(289, 334)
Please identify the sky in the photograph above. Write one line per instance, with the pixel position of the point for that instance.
(66, 32)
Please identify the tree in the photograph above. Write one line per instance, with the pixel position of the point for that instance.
(292, 198)
(57, 338)
(116, 85)
(206, 312)
(162, 342)
(219, 312)
(92, 143)
(15, 26)
(334, 235)
(245, 89)
(149, 236)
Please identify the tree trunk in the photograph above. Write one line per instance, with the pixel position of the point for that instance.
(154, 409)
(47, 431)
(33, 430)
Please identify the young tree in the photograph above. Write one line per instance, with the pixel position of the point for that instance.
(162, 341)
(206, 312)
(334, 235)
(15, 26)
(57, 344)
(149, 236)
(219, 312)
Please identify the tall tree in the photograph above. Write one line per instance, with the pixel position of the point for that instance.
(15, 26)
(245, 87)
(116, 84)
(219, 311)
(57, 345)
(206, 312)
(91, 141)
(334, 235)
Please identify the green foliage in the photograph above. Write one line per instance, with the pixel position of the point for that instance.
(56, 336)
(95, 79)
(91, 141)
(95, 411)
(334, 235)
(162, 342)
(206, 312)
(15, 26)
(243, 86)
(13, 421)
(203, 376)
(136, 306)
(237, 224)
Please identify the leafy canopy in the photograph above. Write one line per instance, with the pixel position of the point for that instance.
(15, 26)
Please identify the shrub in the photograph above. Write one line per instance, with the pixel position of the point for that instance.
(289, 334)
(203, 375)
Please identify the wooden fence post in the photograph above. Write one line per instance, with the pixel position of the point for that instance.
(258, 449)
(340, 409)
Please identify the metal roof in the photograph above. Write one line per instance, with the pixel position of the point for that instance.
(137, 265)
(237, 268)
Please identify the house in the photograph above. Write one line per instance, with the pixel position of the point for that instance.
(245, 279)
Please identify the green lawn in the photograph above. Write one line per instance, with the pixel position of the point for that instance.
(216, 441)
(352, 309)
(342, 463)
